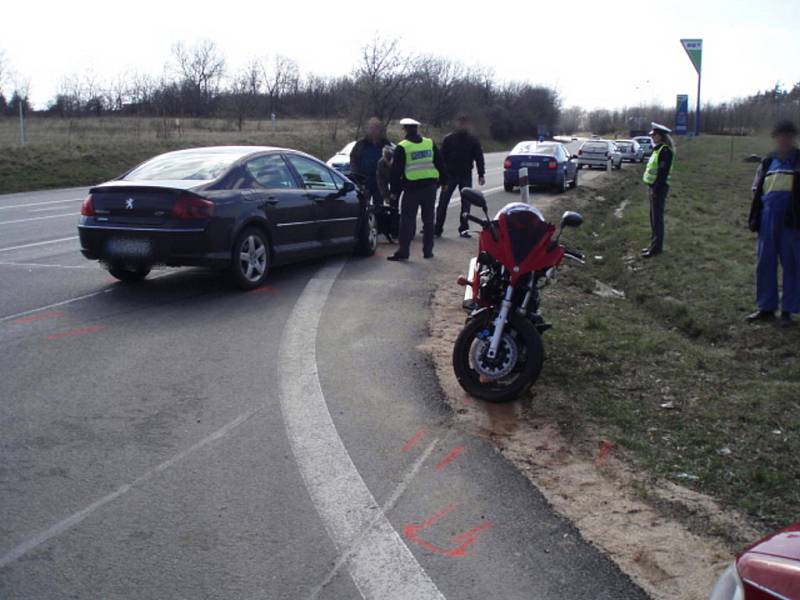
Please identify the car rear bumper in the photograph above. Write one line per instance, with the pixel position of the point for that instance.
(593, 162)
(535, 177)
(178, 246)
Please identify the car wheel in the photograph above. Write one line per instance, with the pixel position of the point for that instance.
(250, 258)
(129, 273)
(368, 235)
(561, 187)
(574, 183)
(508, 187)
(618, 166)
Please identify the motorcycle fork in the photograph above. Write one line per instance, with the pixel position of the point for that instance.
(500, 323)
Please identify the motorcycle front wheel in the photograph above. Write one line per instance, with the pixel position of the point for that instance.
(515, 368)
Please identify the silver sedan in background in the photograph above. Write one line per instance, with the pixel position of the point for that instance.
(630, 150)
(602, 154)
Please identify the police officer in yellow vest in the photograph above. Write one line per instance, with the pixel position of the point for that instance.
(417, 171)
(657, 176)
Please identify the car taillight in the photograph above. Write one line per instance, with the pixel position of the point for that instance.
(552, 164)
(507, 164)
(192, 207)
(87, 208)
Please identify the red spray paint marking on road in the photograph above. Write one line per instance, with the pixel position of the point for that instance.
(78, 331)
(42, 316)
(451, 456)
(378, 255)
(410, 442)
(463, 540)
(263, 290)
(604, 450)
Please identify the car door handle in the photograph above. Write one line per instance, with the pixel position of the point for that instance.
(270, 201)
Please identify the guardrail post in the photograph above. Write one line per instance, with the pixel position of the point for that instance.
(523, 185)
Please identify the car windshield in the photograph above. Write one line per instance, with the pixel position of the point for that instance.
(347, 149)
(534, 148)
(202, 165)
(624, 144)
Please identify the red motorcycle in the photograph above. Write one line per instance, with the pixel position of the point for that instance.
(499, 353)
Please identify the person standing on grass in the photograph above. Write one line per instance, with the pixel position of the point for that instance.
(460, 149)
(364, 158)
(417, 171)
(657, 175)
(775, 215)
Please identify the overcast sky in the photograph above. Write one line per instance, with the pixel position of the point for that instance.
(595, 53)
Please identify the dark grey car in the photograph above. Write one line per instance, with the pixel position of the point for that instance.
(238, 208)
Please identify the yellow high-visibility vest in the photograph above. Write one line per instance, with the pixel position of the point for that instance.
(651, 171)
(419, 160)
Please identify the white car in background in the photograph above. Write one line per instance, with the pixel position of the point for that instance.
(631, 150)
(602, 154)
(341, 160)
(646, 143)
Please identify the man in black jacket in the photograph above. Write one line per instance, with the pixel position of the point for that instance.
(365, 155)
(460, 149)
(775, 215)
(417, 171)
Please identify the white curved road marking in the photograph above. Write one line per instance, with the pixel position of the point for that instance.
(380, 564)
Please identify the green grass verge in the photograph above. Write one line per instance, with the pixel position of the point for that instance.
(671, 373)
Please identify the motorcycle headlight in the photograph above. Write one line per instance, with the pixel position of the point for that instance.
(729, 586)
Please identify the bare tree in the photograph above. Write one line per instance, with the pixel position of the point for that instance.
(437, 80)
(383, 80)
(244, 90)
(4, 68)
(281, 76)
(201, 67)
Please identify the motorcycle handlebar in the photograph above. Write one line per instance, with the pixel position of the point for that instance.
(485, 223)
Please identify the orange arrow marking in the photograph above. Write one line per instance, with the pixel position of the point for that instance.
(463, 540)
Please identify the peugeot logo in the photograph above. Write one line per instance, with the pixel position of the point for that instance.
(129, 203)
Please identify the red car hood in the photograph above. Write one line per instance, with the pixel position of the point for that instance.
(773, 564)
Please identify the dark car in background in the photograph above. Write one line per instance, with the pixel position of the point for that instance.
(243, 209)
(767, 570)
(549, 164)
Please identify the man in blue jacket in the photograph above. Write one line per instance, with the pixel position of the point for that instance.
(775, 215)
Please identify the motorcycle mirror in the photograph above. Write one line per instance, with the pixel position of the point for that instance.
(474, 197)
(571, 219)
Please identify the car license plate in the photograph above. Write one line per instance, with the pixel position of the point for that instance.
(129, 247)
(530, 164)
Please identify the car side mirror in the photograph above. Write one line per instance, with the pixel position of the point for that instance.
(474, 197)
(571, 219)
(348, 187)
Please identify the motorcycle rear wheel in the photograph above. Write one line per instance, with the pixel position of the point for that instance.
(530, 352)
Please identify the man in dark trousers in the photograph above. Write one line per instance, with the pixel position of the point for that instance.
(417, 170)
(460, 149)
(775, 215)
(365, 155)
(657, 175)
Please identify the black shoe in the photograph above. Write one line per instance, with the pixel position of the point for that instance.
(650, 253)
(396, 257)
(438, 234)
(645, 250)
(760, 315)
(465, 234)
(786, 319)
(428, 255)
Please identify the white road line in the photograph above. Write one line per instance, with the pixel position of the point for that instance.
(29, 219)
(381, 565)
(386, 508)
(46, 242)
(457, 196)
(17, 264)
(40, 203)
(54, 305)
(77, 517)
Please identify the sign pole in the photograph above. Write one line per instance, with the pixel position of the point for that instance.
(697, 110)
(694, 50)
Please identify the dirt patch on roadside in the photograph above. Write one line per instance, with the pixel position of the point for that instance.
(672, 541)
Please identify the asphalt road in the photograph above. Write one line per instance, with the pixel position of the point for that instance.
(179, 439)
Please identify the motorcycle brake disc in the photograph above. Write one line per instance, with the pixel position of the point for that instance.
(498, 367)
